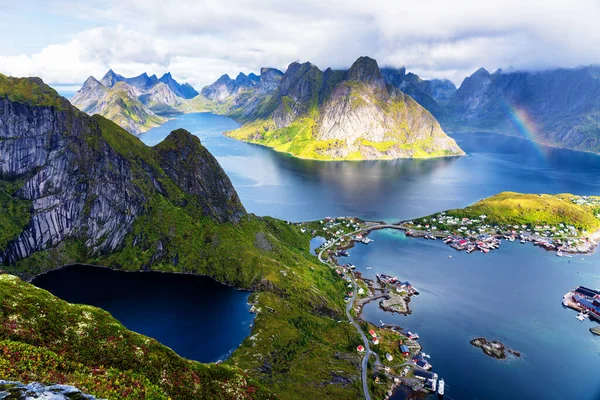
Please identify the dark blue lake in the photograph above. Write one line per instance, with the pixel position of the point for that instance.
(197, 317)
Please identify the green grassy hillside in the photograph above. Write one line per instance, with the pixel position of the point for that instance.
(510, 208)
(43, 338)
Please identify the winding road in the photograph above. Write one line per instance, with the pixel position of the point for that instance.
(364, 337)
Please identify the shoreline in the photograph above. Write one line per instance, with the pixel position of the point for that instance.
(340, 159)
(31, 279)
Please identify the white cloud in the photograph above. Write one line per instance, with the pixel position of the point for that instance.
(200, 40)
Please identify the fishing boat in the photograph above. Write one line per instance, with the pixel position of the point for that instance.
(581, 316)
(441, 387)
(414, 336)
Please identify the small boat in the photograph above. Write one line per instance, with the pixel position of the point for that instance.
(564, 302)
(441, 386)
(522, 241)
(580, 316)
(414, 336)
(369, 268)
(559, 253)
(449, 256)
(426, 355)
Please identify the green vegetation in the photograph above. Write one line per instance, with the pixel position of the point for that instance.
(46, 339)
(31, 91)
(409, 134)
(296, 341)
(510, 208)
(15, 213)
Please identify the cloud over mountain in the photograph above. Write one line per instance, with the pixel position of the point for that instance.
(200, 40)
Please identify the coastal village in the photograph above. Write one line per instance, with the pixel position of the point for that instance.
(479, 234)
(399, 359)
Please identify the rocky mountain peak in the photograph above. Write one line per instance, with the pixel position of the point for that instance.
(90, 83)
(366, 70)
(191, 166)
(111, 78)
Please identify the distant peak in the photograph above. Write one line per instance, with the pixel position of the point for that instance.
(481, 72)
(365, 69)
(91, 82)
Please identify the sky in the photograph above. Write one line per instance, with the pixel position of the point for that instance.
(65, 41)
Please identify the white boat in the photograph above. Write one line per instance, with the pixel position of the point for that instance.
(368, 267)
(580, 316)
(411, 335)
(559, 253)
(564, 302)
(522, 241)
(426, 355)
(441, 385)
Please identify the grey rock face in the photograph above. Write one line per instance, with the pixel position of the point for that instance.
(76, 191)
(19, 391)
(197, 172)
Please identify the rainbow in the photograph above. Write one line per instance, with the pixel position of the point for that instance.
(524, 125)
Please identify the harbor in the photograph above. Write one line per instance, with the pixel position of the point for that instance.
(475, 234)
(404, 362)
(584, 300)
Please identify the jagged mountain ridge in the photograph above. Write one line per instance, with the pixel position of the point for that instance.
(349, 114)
(136, 104)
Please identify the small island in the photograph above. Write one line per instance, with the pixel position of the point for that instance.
(494, 348)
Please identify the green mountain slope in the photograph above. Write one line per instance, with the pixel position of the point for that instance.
(90, 192)
(351, 115)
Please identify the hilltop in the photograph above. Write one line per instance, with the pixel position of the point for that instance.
(510, 208)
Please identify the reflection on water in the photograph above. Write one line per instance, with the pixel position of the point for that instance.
(276, 184)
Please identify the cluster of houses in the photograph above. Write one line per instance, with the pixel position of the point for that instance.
(400, 286)
(475, 234)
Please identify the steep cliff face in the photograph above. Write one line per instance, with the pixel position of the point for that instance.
(198, 173)
(431, 94)
(86, 178)
(350, 114)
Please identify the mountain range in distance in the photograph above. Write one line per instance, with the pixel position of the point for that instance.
(557, 107)
(136, 104)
